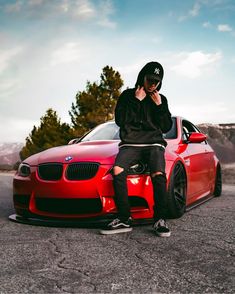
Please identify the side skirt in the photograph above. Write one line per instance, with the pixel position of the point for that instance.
(199, 202)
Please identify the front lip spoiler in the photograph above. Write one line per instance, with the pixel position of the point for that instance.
(49, 222)
(81, 223)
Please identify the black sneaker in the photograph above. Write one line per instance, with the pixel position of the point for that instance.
(117, 226)
(161, 229)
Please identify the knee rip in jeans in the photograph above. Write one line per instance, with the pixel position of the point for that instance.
(117, 170)
(153, 175)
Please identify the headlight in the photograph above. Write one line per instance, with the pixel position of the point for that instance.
(138, 168)
(24, 170)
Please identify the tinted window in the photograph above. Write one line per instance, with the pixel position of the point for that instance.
(172, 134)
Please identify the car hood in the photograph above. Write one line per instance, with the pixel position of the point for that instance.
(103, 152)
(95, 151)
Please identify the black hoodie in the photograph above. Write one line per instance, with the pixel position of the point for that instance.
(143, 122)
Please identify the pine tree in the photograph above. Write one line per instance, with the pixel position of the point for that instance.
(96, 104)
(50, 133)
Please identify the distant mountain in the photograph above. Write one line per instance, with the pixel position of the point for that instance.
(220, 136)
(9, 154)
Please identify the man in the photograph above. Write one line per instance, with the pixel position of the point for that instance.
(142, 115)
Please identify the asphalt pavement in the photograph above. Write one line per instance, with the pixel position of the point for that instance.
(197, 258)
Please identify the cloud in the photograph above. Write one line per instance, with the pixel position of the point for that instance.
(106, 9)
(221, 27)
(35, 2)
(14, 7)
(130, 69)
(209, 112)
(203, 5)
(233, 60)
(82, 9)
(193, 12)
(7, 57)
(69, 52)
(17, 129)
(194, 64)
(207, 25)
(98, 11)
(224, 28)
(8, 87)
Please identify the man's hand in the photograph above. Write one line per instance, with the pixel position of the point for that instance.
(140, 93)
(156, 97)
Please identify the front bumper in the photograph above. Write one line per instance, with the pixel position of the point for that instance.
(69, 201)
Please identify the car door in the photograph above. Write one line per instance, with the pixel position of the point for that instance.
(210, 159)
(197, 160)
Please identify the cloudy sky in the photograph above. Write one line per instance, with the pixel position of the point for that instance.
(49, 49)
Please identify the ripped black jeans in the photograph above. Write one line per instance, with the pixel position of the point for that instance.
(154, 157)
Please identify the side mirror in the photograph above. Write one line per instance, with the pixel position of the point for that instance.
(196, 137)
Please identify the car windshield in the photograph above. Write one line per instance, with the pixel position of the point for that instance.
(110, 131)
(106, 131)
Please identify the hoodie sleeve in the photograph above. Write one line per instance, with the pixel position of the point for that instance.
(163, 115)
(126, 104)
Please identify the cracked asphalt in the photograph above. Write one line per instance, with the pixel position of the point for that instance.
(197, 258)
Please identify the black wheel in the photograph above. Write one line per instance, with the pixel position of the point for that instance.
(218, 182)
(177, 192)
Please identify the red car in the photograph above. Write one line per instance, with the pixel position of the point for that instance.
(74, 182)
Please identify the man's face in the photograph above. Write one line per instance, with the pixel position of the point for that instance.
(150, 84)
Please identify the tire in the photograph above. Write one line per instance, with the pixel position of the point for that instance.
(218, 182)
(177, 192)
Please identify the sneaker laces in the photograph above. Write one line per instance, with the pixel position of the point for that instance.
(114, 222)
(160, 223)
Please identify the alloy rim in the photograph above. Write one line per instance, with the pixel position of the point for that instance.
(179, 186)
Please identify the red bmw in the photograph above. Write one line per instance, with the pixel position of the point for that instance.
(73, 183)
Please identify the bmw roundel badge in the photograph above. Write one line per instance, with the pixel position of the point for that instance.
(68, 158)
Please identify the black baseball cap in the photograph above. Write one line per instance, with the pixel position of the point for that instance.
(154, 73)
(154, 70)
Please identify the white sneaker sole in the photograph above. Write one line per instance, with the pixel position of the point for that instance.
(117, 231)
(163, 234)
